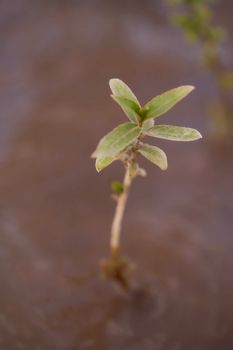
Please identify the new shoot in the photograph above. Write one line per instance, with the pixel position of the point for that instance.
(125, 143)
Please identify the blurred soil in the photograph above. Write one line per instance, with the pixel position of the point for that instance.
(55, 210)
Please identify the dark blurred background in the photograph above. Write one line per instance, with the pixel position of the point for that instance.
(56, 58)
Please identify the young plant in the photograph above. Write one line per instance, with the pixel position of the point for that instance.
(125, 143)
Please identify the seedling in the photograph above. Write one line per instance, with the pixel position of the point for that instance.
(125, 143)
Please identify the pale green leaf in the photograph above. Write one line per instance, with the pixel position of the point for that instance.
(103, 162)
(112, 144)
(162, 103)
(147, 124)
(133, 169)
(120, 89)
(130, 108)
(174, 133)
(142, 172)
(154, 154)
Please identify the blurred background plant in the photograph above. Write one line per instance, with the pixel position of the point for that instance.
(196, 19)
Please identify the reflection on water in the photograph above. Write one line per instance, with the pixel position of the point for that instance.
(55, 210)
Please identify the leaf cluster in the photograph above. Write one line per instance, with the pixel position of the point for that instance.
(125, 141)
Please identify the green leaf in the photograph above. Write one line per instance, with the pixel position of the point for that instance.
(120, 89)
(130, 108)
(154, 154)
(162, 103)
(147, 124)
(174, 133)
(103, 162)
(117, 187)
(112, 144)
(133, 168)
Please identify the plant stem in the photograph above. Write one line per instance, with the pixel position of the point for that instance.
(119, 212)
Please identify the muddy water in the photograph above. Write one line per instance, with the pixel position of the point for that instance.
(56, 211)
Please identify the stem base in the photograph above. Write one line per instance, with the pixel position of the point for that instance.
(117, 269)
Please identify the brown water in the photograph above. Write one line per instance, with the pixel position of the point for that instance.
(56, 211)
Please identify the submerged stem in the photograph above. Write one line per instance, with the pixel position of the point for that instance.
(119, 212)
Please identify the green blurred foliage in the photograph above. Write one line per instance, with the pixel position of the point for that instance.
(196, 19)
(117, 187)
